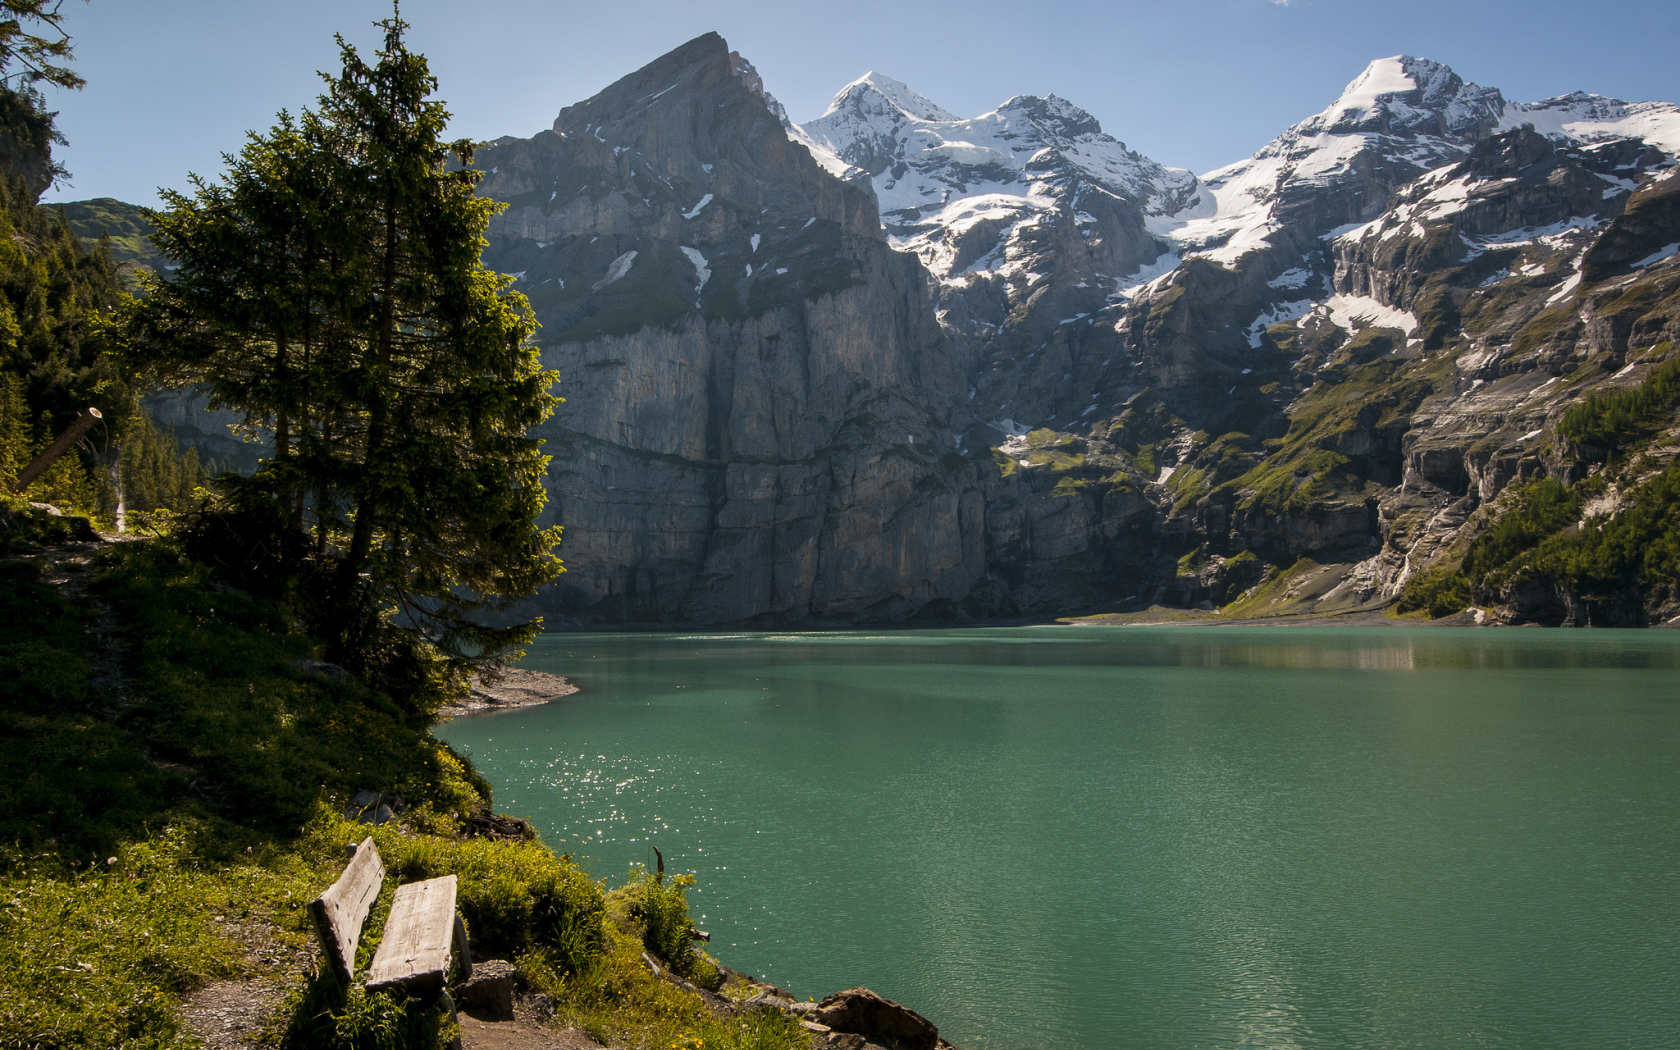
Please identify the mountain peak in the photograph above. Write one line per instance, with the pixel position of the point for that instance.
(1383, 77)
(704, 59)
(1055, 117)
(1405, 95)
(896, 93)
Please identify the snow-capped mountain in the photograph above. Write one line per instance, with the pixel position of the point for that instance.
(1580, 117)
(895, 362)
(1401, 117)
(938, 176)
(1280, 220)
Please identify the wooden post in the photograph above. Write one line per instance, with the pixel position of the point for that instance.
(46, 459)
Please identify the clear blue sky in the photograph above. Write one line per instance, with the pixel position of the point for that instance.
(172, 84)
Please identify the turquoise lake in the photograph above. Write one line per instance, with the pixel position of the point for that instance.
(1146, 837)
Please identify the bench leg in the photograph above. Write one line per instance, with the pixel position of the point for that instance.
(454, 1020)
(463, 954)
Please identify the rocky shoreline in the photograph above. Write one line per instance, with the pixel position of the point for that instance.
(510, 689)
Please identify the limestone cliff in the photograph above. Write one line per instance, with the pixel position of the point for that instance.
(760, 404)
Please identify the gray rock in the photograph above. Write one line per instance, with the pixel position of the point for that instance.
(771, 1000)
(374, 807)
(774, 445)
(488, 994)
(320, 667)
(862, 1012)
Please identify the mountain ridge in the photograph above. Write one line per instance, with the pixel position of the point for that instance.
(894, 364)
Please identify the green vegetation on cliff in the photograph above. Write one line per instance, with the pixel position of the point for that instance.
(1618, 419)
(1608, 564)
(121, 228)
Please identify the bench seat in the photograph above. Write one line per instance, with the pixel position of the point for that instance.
(419, 936)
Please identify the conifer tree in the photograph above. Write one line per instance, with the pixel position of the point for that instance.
(27, 55)
(330, 288)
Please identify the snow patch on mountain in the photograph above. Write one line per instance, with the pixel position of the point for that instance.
(1580, 117)
(701, 271)
(1295, 278)
(1658, 256)
(1280, 312)
(1134, 284)
(616, 269)
(824, 156)
(1358, 312)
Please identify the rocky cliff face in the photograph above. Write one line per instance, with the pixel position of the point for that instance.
(26, 138)
(760, 402)
(894, 362)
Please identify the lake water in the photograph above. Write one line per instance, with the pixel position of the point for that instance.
(1101, 837)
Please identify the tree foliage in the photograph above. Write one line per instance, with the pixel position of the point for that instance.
(34, 46)
(1622, 417)
(157, 474)
(54, 293)
(330, 289)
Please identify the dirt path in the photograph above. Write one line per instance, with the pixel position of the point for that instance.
(231, 1015)
(521, 1035)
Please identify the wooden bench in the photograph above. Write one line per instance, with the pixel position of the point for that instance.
(423, 929)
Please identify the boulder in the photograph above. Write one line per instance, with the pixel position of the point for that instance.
(772, 1000)
(321, 668)
(859, 1011)
(488, 994)
(373, 807)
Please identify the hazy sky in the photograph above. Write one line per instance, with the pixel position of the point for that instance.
(173, 84)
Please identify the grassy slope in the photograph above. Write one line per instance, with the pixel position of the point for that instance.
(168, 776)
(130, 233)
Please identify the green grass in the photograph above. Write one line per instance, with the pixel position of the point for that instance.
(1303, 469)
(94, 957)
(1270, 596)
(628, 315)
(145, 818)
(619, 1002)
(213, 721)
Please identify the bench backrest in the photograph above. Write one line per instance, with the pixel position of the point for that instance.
(338, 914)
